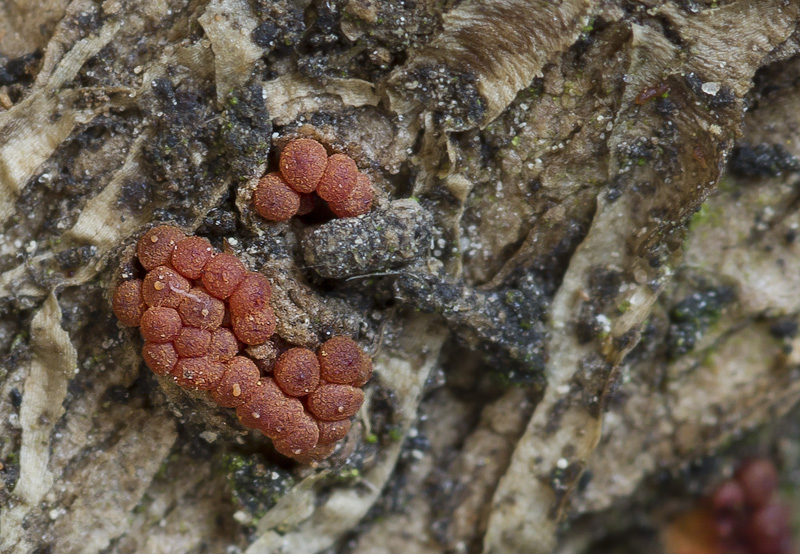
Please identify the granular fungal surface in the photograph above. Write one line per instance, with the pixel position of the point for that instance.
(195, 335)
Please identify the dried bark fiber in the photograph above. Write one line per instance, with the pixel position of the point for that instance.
(579, 275)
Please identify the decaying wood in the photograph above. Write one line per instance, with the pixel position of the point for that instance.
(579, 281)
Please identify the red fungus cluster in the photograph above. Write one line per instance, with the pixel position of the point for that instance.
(195, 308)
(307, 172)
(748, 518)
(742, 516)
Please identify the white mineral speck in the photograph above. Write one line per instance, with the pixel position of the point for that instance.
(711, 88)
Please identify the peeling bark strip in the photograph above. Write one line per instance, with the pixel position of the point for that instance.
(226, 22)
(53, 365)
(488, 51)
(32, 130)
(635, 231)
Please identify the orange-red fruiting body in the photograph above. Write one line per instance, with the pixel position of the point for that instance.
(340, 360)
(190, 256)
(192, 342)
(274, 199)
(297, 372)
(160, 358)
(341, 174)
(128, 303)
(758, 479)
(651, 92)
(195, 333)
(281, 417)
(332, 431)
(252, 294)
(160, 324)
(728, 498)
(316, 454)
(770, 530)
(198, 373)
(200, 309)
(238, 382)
(332, 402)
(302, 437)
(156, 245)
(358, 202)
(255, 327)
(264, 396)
(366, 371)
(302, 164)
(222, 275)
(163, 286)
(224, 345)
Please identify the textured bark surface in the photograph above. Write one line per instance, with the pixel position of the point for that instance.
(579, 282)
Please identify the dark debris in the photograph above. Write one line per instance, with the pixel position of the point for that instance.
(692, 317)
(506, 325)
(762, 160)
(379, 241)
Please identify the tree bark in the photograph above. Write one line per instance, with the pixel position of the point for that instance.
(578, 282)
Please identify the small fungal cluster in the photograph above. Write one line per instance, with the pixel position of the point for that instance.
(741, 516)
(748, 517)
(307, 173)
(196, 307)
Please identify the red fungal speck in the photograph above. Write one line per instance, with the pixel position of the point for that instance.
(160, 325)
(190, 256)
(238, 383)
(340, 361)
(758, 479)
(297, 372)
(198, 373)
(252, 294)
(222, 275)
(316, 454)
(302, 436)
(200, 309)
(769, 530)
(332, 431)
(156, 245)
(265, 395)
(280, 417)
(332, 402)
(160, 358)
(192, 342)
(358, 201)
(128, 303)
(650, 93)
(163, 286)
(274, 199)
(729, 498)
(224, 345)
(302, 164)
(339, 178)
(365, 371)
(255, 327)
